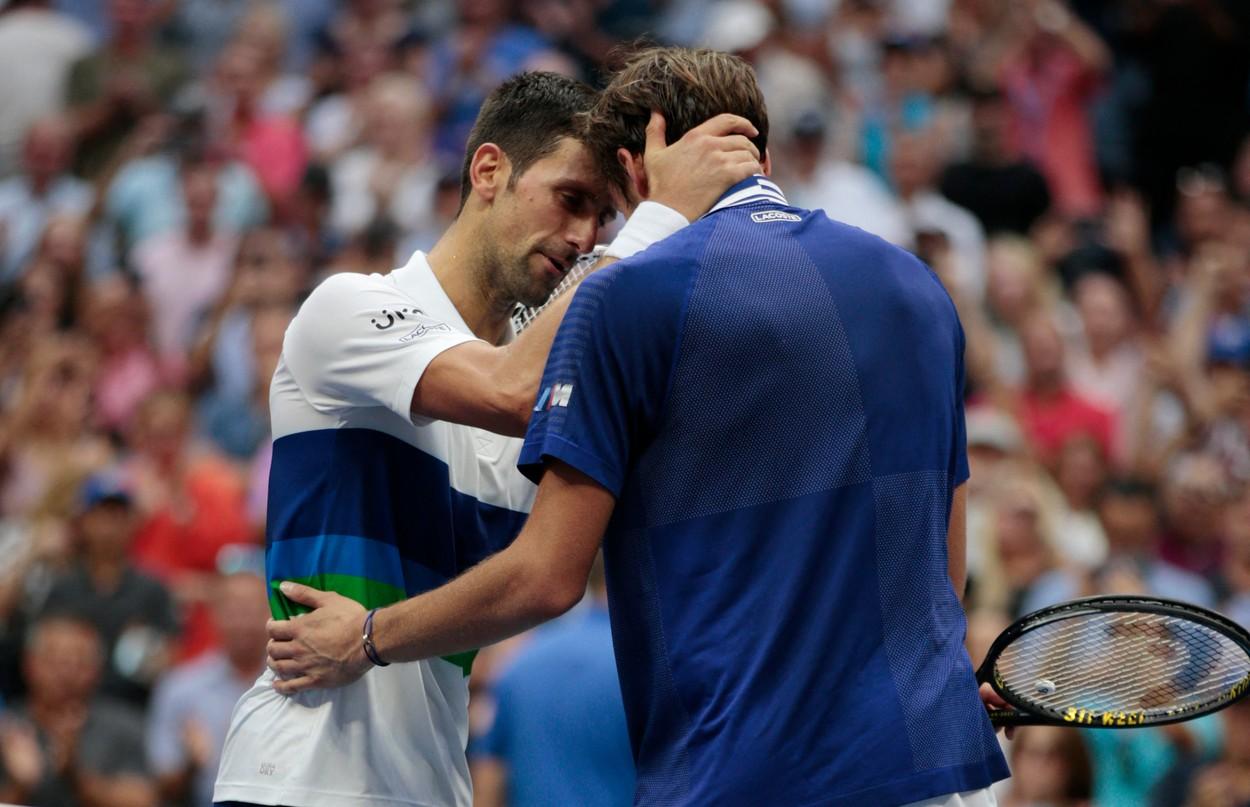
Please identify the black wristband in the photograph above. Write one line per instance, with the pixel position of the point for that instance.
(366, 638)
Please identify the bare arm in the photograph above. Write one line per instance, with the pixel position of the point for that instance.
(492, 387)
(957, 541)
(540, 576)
(490, 782)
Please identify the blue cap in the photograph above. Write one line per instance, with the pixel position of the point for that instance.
(103, 487)
(1229, 342)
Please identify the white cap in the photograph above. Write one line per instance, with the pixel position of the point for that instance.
(737, 25)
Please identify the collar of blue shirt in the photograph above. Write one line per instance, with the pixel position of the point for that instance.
(751, 190)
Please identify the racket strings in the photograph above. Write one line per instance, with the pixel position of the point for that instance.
(523, 316)
(1122, 662)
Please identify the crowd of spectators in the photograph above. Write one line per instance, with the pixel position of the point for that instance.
(176, 176)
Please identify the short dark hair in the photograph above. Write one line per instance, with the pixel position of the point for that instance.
(685, 85)
(526, 116)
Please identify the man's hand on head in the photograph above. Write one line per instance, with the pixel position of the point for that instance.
(320, 649)
(691, 174)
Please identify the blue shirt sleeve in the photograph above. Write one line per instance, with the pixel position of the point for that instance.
(608, 373)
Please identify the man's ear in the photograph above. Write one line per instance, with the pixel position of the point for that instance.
(489, 171)
(636, 188)
(767, 165)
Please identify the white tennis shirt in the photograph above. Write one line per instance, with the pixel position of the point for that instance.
(379, 506)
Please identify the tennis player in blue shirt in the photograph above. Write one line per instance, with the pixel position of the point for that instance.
(761, 419)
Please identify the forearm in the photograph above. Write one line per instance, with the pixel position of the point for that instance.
(501, 597)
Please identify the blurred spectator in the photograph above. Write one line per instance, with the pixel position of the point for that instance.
(132, 613)
(115, 318)
(191, 707)
(1128, 765)
(145, 198)
(1049, 64)
(1223, 780)
(1003, 190)
(559, 734)
(1183, 45)
(901, 104)
(1129, 513)
(791, 80)
(361, 42)
(1051, 412)
(814, 178)
(914, 166)
(130, 76)
(995, 449)
(1049, 766)
(238, 425)
(1196, 489)
(1235, 572)
(268, 271)
(65, 745)
(43, 189)
(445, 207)
(1080, 473)
(250, 115)
(185, 271)
(1105, 364)
(481, 51)
(1017, 544)
(308, 226)
(390, 175)
(46, 441)
(191, 503)
(38, 45)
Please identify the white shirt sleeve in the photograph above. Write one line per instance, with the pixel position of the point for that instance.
(359, 341)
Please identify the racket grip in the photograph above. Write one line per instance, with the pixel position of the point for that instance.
(1001, 718)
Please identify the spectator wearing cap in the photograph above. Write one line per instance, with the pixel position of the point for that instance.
(815, 178)
(132, 612)
(65, 744)
(791, 81)
(191, 707)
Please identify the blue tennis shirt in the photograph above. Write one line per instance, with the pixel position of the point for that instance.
(775, 400)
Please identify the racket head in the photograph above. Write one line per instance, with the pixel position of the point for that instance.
(1117, 662)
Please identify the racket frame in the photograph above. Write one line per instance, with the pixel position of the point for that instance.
(1022, 714)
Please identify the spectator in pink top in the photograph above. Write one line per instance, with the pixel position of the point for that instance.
(1050, 65)
(185, 271)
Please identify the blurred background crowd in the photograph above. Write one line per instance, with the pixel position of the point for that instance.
(176, 175)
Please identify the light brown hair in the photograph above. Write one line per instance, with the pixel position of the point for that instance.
(686, 85)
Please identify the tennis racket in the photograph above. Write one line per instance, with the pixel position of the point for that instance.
(1116, 662)
(524, 315)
